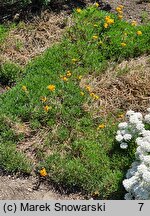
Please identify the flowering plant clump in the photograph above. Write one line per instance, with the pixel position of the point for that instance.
(137, 183)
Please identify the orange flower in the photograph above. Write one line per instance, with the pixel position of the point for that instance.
(123, 44)
(107, 18)
(121, 7)
(78, 10)
(88, 88)
(121, 116)
(82, 93)
(43, 172)
(95, 37)
(96, 97)
(68, 74)
(101, 126)
(74, 60)
(105, 25)
(46, 108)
(120, 17)
(92, 94)
(24, 88)
(51, 87)
(110, 21)
(79, 77)
(139, 33)
(97, 4)
(64, 78)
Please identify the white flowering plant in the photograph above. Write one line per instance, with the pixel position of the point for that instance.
(136, 129)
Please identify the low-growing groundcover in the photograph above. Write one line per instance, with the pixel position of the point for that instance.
(79, 152)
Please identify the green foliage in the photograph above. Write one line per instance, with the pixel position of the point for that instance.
(9, 73)
(13, 161)
(75, 153)
(10, 159)
(3, 33)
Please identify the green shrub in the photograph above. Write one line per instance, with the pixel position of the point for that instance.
(9, 73)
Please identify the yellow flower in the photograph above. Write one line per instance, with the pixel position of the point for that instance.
(96, 97)
(105, 25)
(120, 12)
(51, 87)
(107, 18)
(74, 60)
(123, 44)
(97, 4)
(88, 88)
(64, 78)
(43, 99)
(110, 21)
(82, 93)
(68, 74)
(78, 10)
(79, 77)
(95, 37)
(46, 108)
(121, 116)
(134, 23)
(101, 126)
(92, 94)
(121, 7)
(120, 17)
(24, 88)
(43, 172)
(139, 33)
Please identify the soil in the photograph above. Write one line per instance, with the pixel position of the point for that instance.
(13, 188)
(138, 10)
(33, 36)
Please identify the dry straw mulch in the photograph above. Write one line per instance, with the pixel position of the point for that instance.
(31, 39)
(122, 87)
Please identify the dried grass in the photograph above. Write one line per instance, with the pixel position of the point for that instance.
(125, 86)
(32, 39)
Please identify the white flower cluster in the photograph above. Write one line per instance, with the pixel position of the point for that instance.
(137, 183)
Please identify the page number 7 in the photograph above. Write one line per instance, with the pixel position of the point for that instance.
(141, 205)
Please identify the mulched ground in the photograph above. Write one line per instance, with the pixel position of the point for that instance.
(133, 9)
(38, 32)
(122, 87)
